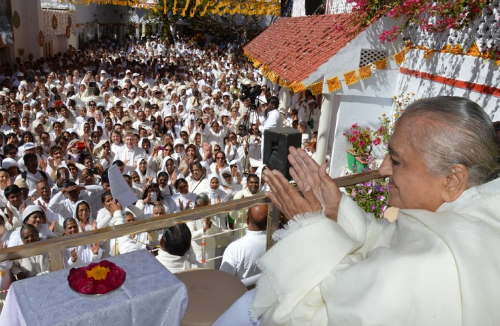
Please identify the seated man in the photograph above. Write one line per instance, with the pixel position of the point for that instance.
(176, 254)
(240, 216)
(240, 258)
(337, 265)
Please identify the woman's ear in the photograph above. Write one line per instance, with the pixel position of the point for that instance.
(457, 181)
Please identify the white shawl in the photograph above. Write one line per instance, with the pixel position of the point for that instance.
(424, 269)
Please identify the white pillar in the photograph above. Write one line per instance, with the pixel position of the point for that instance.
(324, 128)
(285, 95)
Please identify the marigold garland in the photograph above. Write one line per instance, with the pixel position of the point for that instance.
(381, 64)
(399, 58)
(317, 88)
(365, 72)
(457, 49)
(333, 84)
(350, 77)
(474, 50)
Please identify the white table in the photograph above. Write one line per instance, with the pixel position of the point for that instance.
(150, 295)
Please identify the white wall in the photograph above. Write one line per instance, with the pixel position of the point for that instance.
(460, 67)
(354, 109)
(26, 36)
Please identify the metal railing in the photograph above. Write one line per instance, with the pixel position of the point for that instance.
(55, 247)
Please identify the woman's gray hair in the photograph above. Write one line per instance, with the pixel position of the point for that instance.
(450, 130)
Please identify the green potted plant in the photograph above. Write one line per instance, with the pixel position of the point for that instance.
(361, 141)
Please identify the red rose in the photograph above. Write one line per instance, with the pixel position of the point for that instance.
(115, 277)
(75, 274)
(102, 287)
(84, 285)
(107, 263)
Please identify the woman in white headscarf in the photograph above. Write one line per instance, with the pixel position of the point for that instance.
(103, 154)
(34, 215)
(143, 170)
(168, 166)
(263, 184)
(227, 183)
(217, 195)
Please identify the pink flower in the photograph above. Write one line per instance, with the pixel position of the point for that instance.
(353, 139)
(362, 144)
(376, 142)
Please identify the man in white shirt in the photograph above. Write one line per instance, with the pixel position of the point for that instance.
(272, 118)
(129, 152)
(240, 258)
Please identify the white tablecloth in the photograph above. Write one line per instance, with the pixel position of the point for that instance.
(150, 295)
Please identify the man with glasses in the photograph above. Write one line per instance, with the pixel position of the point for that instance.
(10, 151)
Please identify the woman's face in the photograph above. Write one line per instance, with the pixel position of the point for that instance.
(88, 163)
(83, 213)
(29, 235)
(227, 177)
(183, 188)
(170, 166)
(27, 138)
(116, 139)
(191, 152)
(216, 150)
(129, 218)
(163, 181)
(168, 151)
(57, 129)
(35, 219)
(57, 155)
(74, 171)
(4, 178)
(71, 227)
(220, 159)
(143, 166)
(214, 183)
(108, 124)
(135, 178)
(107, 201)
(86, 128)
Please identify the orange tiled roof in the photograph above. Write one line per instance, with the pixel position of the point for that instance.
(296, 47)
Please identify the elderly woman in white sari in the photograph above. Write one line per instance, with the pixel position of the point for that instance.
(227, 183)
(437, 264)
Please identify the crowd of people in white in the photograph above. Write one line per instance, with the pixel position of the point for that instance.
(174, 120)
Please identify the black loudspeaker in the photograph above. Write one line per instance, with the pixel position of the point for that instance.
(276, 144)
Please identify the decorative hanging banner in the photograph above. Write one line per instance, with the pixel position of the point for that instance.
(399, 58)
(299, 88)
(381, 64)
(41, 39)
(16, 19)
(429, 52)
(317, 88)
(54, 22)
(365, 72)
(457, 49)
(474, 50)
(350, 77)
(333, 84)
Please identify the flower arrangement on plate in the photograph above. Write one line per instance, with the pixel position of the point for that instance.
(96, 278)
